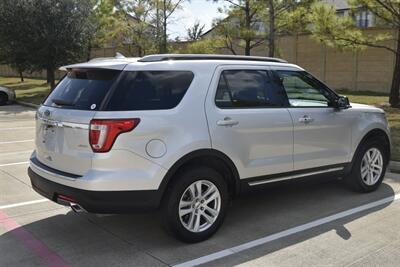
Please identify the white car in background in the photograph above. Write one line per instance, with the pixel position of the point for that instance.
(7, 95)
(187, 133)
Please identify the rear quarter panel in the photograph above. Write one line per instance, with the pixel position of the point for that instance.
(177, 131)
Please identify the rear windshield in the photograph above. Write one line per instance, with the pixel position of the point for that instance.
(82, 89)
(150, 90)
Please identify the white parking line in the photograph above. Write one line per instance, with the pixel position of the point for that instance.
(14, 163)
(17, 128)
(285, 233)
(19, 141)
(23, 203)
(15, 152)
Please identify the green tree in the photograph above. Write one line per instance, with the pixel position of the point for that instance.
(164, 11)
(52, 32)
(203, 46)
(254, 22)
(106, 23)
(285, 17)
(195, 32)
(239, 29)
(136, 26)
(13, 38)
(341, 32)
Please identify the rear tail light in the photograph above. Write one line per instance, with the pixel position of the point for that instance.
(103, 133)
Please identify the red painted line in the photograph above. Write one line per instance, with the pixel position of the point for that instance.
(49, 257)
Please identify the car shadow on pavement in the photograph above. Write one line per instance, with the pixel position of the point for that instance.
(256, 215)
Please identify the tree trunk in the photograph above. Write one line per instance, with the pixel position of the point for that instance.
(158, 28)
(247, 48)
(164, 35)
(89, 50)
(51, 78)
(271, 35)
(140, 51)
(21, 76)
(394, 99)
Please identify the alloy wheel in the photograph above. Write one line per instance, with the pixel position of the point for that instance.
(199, 206)
(371, 166)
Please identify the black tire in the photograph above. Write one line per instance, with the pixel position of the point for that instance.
(170, 206)
(354, 179)
(3, 98)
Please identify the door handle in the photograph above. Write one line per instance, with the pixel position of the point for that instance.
(227, 122)
(306, 119)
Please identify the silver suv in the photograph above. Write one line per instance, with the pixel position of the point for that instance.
(188, 133)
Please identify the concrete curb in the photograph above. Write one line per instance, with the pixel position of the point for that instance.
(27, 104)
(394, 166)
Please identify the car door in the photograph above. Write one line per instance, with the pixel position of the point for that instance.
(322, 133)
(249, 122)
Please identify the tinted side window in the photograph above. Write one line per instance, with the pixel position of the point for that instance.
(82, 89)
(303, 90)
(150, 90)
(248, 88)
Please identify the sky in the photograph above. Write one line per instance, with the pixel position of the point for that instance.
(202, 10)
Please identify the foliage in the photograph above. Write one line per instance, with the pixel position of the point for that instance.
(289, 16)
(388, 11)
(106, 22)
(241, 27)
(164, 10)
(342, 33)
(254, 22)
(203, 46)
(46, 33)
(195, 32)
(143, 24)
(13, 36)
(285, 17)
(136, 26)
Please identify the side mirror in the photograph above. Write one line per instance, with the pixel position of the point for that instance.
(342, 102)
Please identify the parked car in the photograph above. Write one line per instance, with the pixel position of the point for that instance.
(7, 95)
(188, 133)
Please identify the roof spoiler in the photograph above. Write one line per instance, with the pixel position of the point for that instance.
(93, 60)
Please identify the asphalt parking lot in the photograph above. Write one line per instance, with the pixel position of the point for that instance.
(314, 223)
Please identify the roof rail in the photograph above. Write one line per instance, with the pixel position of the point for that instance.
(164, 57)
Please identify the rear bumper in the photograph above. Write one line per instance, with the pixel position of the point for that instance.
(97, 201)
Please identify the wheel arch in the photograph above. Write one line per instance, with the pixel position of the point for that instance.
(373, 133)
(205, 157)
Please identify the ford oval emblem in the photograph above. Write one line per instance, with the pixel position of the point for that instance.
(47, 113)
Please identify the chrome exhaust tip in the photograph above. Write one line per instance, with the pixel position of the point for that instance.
(76, 207)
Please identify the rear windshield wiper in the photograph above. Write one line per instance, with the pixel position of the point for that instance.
(61, 102)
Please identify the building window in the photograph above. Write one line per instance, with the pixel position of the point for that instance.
(340, 13)
(364, 19)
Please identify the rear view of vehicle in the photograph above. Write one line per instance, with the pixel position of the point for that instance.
(101, 137)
